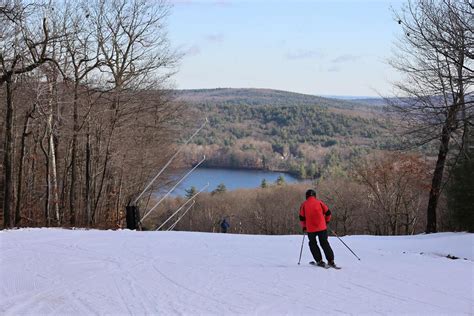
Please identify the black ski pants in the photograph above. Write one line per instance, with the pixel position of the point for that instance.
(323, 240)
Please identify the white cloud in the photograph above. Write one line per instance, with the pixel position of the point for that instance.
(303, 54)
(192, 50)
(217, 38)
(346, 58)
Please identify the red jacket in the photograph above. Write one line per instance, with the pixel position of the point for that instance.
(314, 215)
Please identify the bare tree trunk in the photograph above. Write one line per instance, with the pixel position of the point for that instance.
(33, 180)
(47, 217)
(72, 194)
(20, 168)
(449, 126)
(466, 133)
(104, 173)
(7, 158)
(436, 181)
(115, 107)
(88, 181)
(119, 197)
(54, 176)
(65, 178)
(52, 156)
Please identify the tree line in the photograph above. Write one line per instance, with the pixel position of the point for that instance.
(86, 114)
(385, 194)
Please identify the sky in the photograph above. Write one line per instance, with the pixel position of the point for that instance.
(308, 46)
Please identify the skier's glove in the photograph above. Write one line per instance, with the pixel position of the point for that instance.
(304, 229)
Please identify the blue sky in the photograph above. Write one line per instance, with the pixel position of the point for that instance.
(315, 47)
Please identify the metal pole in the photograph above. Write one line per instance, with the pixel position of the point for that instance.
(343, 243)
(301, 251)
(179, 218)
(174, 187)
(179, 209)
(169, 161)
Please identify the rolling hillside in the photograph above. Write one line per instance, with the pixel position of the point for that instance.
(232, 96)
(285, 131)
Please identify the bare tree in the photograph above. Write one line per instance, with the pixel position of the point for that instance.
(136, 56)
(435, 55)
(347, 211)
(81, 58)
(394, 184)
(88, 82)
(25, 133)
(24, 41)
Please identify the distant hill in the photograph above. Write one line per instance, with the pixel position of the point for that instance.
(371, 101)
(232, 96)
(265, 129)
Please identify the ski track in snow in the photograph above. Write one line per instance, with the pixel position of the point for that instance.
(80, 272)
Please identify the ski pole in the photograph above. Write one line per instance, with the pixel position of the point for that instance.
(343, 243)
(301, 251)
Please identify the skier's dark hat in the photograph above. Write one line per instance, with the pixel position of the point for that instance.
(310, 192)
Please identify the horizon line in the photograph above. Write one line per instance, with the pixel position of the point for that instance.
(332, 96)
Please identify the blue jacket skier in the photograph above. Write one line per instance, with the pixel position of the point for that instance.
(224, 226)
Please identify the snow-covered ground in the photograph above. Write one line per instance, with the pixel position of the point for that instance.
(78, 272)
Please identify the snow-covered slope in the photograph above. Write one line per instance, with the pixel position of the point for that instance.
(78, 272)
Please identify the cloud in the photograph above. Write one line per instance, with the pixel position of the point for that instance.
(216, 38)
(345, 58)
(182, 2)
(195, 49)
(303, 54)
(333, 69)
(221, 3)
(192, 50)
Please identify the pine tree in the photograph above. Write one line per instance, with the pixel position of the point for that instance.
(302, 171)
(264, 184)
(461, 195)
(280, 180)
(191, 192)
(221, 188)
(313, 170)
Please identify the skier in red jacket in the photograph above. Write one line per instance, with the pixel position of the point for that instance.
(314, 215)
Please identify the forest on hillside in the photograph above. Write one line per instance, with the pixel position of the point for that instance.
(252, 96)
(258, 129)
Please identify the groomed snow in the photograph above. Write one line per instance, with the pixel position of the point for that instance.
(79, 272)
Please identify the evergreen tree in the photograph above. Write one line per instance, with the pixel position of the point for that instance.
(280, 180)
(461, 195)
(264, 162)
(302, 171)
(220, 189)
(313, 170)
(264, 184)
(191, 192)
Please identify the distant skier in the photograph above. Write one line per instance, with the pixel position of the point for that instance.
(224, 226)
(314, 215)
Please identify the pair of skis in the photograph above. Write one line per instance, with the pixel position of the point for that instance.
(326, 266)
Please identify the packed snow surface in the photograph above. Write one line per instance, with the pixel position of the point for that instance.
(81, 272)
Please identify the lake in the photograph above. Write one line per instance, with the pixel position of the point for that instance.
(232, 178)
